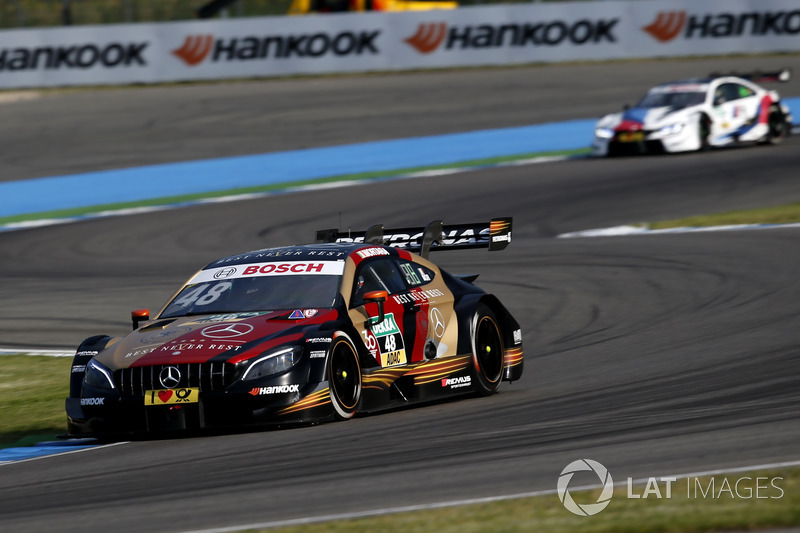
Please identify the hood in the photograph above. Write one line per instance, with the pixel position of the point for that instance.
(640, 118)
(199, 339)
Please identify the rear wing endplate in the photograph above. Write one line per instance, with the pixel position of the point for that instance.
(494, 235)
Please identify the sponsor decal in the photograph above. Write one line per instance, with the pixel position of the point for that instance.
(387, 327)
(226, 331)
(437, 322)
(225, 273)
(450, 237)
(430, 37)
(317, 354)
(310, 312)
(276, 389)
(297, 314)
(198, 48)
(517, 336)
(669, 25)
(226, 317)
(76, 369)
(319, 339)
(81, 57)
(371, 252)
(158, 337)
(195, 49)
(284, 268)
(385, 342)
(457, 382)
(177, 348)
(88, 352)
(92, 401)
(137, 353)
(397, 357)
(171, 396)
(421, 295)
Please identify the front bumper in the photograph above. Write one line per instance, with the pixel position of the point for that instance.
(126, 415)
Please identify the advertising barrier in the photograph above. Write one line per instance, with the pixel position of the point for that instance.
(378, 41)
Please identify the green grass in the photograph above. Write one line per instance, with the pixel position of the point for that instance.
(545, 513)
(32, 393)
(782, 214)
(188, 198)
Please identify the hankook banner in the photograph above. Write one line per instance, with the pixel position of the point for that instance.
(358, 42)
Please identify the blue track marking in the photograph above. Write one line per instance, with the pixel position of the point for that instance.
(12, 455)
(224, 174)
(175, 179)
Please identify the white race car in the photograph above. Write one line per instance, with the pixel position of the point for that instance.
(689, 115)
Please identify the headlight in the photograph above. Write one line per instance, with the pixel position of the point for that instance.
(672, 129)
(272, 362)
(604, 133)
(98, 376)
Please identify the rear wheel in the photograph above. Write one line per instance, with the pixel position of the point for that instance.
(778, 128)
(344, 377)
(488, 351)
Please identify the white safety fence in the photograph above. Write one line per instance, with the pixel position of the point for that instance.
(358, 42)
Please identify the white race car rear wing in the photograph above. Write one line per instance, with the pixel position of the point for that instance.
(783, 75)
(494, 235)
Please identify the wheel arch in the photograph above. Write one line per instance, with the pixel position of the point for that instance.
(86, 351)
(509, 327)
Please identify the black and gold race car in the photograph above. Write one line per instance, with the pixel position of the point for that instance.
(352, 323)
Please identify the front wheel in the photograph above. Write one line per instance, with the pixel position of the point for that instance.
(488, 351)
(344, 377)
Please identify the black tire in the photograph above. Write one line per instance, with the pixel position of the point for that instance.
(704, 132)
(488, 353)
(344, 377)
(778, 128)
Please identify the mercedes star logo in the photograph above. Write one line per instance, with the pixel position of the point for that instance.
(438, 322)
(169, 377)
(226, 331)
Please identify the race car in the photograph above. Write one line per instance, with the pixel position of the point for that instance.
(353, 323)
(695, 114)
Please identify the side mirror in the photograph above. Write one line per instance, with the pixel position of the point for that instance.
(378, 297)
(140, 315)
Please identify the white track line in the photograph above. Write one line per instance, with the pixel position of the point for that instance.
(617, 231)
(474, 501)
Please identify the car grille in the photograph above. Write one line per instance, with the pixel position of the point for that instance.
(209, 377)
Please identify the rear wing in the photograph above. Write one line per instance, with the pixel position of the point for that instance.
(783, 75)
(494, 235)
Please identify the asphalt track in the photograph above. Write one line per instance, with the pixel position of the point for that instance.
(654, 355)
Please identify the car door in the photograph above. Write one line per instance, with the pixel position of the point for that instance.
(385, 339)
(735, 106)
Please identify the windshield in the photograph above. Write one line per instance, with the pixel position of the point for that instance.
(675, 100)
(262, 293)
